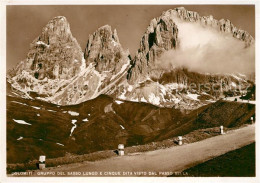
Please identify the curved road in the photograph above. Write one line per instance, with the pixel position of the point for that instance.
(165, 161)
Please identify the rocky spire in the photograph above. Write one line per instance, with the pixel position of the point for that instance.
(105, 51)
(57, 30)
(161, 35)
(53, 54)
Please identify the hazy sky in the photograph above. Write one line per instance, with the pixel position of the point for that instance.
(24, 23)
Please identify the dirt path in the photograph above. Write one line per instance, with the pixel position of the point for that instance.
(165, 161)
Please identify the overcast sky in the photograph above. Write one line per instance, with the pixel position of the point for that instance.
(24, 23)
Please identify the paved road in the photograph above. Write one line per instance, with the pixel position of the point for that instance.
(174, 159)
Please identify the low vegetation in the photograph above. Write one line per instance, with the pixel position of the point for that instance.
(139, 126)
(69, 158)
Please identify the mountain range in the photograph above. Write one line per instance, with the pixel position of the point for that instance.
(56, 70)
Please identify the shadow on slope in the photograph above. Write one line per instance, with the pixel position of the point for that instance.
(103, 123)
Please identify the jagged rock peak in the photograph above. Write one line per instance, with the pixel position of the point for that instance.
(104, 50)
(161, 35)
(161, 32)
(103, 35)
(56, 30)
(58, 20)
(55, 53)
(223, 25)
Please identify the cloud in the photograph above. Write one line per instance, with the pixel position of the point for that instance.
(205, 50)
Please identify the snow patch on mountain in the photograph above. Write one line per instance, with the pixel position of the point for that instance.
(74, 126)
(193, 96)
(72, 113)
(42, 43)
(119, 102)
(19, 103)
(143, 100)
(20, 138)
(133, 99)
(154, 99)
(60, 144)
(130, 88)
(85, 120)
(21, 122)
(233, 84)
(122, 96)
(36, 107)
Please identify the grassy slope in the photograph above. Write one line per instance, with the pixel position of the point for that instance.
(101, 132)
(237, 163)
(228, 114)
(143, 123)
(191, 137)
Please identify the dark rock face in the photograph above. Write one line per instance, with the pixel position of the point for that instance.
(148, 82)
(161, 35)
(55, 54)
(105, 51)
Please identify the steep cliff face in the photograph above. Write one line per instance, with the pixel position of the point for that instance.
(148, 82)
(105, 51)
(55, 54)
(161, 35)
(54, 59)
(107, 65)
(55, 69)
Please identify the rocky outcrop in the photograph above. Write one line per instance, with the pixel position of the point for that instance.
(55, 69)
(55, 54)
(105, 51)
(161, 35)
(222, 25)
(147, 82)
